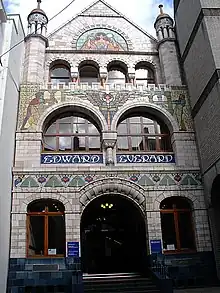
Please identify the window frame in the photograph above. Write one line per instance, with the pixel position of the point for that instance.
(46, 214)
(59, 66)
(176, 212)
(157, 135)
(57, 134)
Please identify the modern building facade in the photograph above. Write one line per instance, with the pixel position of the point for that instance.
(11, 32)
(200, 54)
(106, 169)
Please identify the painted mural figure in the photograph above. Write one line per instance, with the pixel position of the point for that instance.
(33, 109)
(179, 111)
(101, 41)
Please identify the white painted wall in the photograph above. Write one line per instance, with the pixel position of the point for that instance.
(9, 95)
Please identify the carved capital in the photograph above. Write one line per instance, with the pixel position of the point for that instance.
(108, 143)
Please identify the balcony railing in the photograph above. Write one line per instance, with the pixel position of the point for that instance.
(107, 87)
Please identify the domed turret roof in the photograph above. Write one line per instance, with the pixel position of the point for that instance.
(38, 10)
(162, 14)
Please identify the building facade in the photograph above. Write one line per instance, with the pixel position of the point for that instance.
(11, 32)
(106, 168)
(199, 47)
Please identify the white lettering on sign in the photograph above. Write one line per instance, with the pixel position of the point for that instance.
(162, 158)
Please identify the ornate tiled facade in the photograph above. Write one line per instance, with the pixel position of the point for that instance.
(76, 179)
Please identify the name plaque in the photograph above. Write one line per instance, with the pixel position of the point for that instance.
(143, 158)
(50, 159)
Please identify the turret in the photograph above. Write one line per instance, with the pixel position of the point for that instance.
(167, 49)
(35, 46)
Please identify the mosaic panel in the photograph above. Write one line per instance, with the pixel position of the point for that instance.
(101, 39)
(67, 180)
(33, 102)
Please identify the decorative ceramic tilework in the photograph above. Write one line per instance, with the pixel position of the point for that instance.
(101, 39)
(150, 180)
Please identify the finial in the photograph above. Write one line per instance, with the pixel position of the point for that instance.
(38, 4)
(161, 8)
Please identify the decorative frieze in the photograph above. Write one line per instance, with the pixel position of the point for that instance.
(79, 180)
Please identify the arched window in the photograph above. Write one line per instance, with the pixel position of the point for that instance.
(45, 228)
(89, 72)
(140, 133)
(71, 133)
(177, 225)
(60, 72)
(117, 72)
(144, 74)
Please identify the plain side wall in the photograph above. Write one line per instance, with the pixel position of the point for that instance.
(9, 86)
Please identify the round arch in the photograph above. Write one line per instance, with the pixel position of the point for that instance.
(215, 191)
(144, 106)
(60, 58)
(113, 227)
(86, 28)
(88, 61)
(41, 196)
(190, 197)
(122, 187)
(88, 109)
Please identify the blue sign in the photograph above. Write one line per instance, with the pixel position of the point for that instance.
(51, 159)
(143, 158)
(156, 246)
(72, 249)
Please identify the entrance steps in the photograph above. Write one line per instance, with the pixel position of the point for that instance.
(120, 283)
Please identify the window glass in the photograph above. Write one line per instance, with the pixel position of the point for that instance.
(64, 143)
(36, 236)
(94, 143)
(64, 128)
(56, 235)
(71, 133)
(176, 224)
(123, 144)
(60, 72)
(50, 143)
(143, 135)
(137, 143)
(185, 230)
(51, 129)
(168, 231)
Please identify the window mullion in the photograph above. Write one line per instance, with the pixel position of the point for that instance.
(46, 235)
(177, 230)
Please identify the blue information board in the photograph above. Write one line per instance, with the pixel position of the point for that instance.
(156, 246)
(72, 249)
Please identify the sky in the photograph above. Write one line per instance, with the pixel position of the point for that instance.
(141, 12)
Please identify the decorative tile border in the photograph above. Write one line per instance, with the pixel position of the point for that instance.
(69, 180)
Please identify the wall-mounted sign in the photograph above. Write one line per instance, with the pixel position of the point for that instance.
(144, 158)
(71, 159)
(156, 246)
(72, 249)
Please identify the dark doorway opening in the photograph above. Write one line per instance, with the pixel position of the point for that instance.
(113, 236)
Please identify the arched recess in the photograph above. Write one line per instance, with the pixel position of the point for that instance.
(117, 72)
(88, 28)
(89, 71)
(46, 228)
(38, 196)
(113, 227)
(87, 109)
(144, 107)
(113, 186)
(166, 194)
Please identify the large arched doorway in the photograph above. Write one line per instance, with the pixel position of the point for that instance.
(113, 236)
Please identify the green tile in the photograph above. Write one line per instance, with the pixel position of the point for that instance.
(29, 182)
(53, 182)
